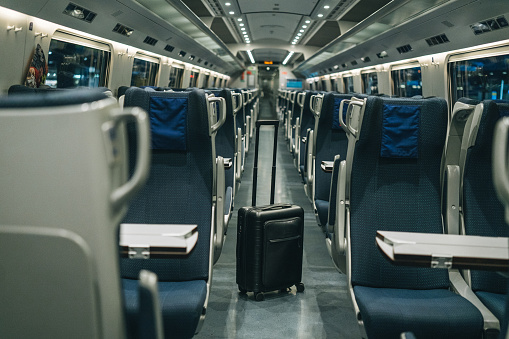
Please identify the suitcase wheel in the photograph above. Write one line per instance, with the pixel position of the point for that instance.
(259, 296)
(300, 287)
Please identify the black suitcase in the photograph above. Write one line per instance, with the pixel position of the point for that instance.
(269, 238)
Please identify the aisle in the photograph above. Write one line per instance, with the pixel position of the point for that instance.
(322, 311)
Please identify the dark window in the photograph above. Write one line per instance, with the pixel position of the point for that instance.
(176, 77)
(72, 65)
(370, 83)
(348, 85)
(407, 82)
(483, 78)
(144, 73)
(194, 79)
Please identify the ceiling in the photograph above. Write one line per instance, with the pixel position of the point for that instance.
(285, 24)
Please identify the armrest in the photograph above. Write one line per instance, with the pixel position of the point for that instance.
(452, 219)
(150, 325)
(228, 163)
(327, 166)
(339, 227)
(219, 208)
(458, 285)
(145, 241)
(309, 148)
(238, 175)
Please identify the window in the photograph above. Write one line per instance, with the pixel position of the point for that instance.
(407, 82)
(482, 78)
(206, 81)
(370, 82)
(145, 71)
(214, 80)
(176, 74)
(194, 78)
(324, 85)
(348, 84)
(333, 85)
(74, 61)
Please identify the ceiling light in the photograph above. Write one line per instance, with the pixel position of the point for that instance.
(304, 26)
(301, 31)
(299, 34)
(320, 15)
(231, 12)
(297, 37)
(239, 19)
(287, 58)
(227, 3)
(241, 25)
(308, 21)
(326, 7)
(242, 29)
(250, 56)
(293, 42)
(268, 68)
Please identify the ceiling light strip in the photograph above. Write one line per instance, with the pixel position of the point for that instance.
(250, 56)
(287, 57)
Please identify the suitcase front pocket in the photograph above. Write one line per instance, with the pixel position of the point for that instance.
(282, 262)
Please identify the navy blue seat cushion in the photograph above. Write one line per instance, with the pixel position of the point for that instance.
(495, 302)
(181, 305)
(322, 206)
(427, 313)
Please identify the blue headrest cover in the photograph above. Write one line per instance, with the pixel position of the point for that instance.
(335, 117)
(168, 123)
(400, 131)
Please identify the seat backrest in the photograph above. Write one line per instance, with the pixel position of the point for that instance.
(483, 213)
(307, 120)
(395, 185)
(59, 213)
(331, 140)
(180, 186)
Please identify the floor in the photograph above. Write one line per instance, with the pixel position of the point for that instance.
(323, 310)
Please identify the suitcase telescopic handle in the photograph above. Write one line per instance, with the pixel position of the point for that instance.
(259, 123)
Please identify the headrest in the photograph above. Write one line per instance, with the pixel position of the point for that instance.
(400, 131)
(503, 107)
(168, 122)
(52, 98)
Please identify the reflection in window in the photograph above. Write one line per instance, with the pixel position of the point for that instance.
(193, 79)
(370, 82)
(72, 65)
(483, 78)
(176, 77)
(407, 82)
(144, 73)
(348, 84)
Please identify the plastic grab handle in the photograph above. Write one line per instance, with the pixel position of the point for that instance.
(222, 110)
(238, 102)
(346, 126)
(499, 159)
(125, 192)
(300, 98)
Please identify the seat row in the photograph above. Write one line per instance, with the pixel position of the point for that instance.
(84, 170)
(398, 164)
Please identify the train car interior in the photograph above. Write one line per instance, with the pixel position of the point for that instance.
(133, 133)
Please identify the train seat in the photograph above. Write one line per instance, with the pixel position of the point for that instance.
(306, 121)
(483, 213)
(395, 185)
(181, 189)
(64, 191)
(331, 140)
